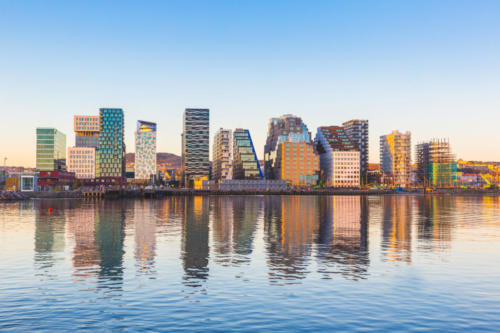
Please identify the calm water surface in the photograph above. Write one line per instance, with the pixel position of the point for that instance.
(252, 263)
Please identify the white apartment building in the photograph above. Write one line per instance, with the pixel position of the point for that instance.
(339, 158)
(81, 161)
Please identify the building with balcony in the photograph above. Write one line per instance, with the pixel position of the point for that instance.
(50, 149)
(195, 147)
(222, 159)
(110, 155)
(357, 130)
(245, 162)
(145, 150)
(339, 158)
(395, 158)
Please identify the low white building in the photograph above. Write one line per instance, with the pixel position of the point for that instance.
(81, 161)
(339, 158)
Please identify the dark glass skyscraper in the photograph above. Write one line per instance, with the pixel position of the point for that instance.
(245, 161)
(110, 160)
(195, 147)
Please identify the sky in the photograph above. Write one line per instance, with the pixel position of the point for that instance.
(428, 67)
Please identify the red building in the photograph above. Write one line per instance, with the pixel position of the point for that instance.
(57, 178)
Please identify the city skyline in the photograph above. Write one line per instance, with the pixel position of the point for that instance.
(427, 68)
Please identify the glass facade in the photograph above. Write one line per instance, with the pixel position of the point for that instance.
(245, 161)
(50, 149)
(110, 157)
(195, 147)
(145, 150)
(395, 158)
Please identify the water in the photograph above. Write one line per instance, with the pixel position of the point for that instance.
(251, 263)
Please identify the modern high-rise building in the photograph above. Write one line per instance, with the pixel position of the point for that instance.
(81, 161)
(195, 147)
(395, 158)
(222, 160)
(245, 161)
(110, 157)
(145, 150)
(87, 131)
(357, 130)
(50, 149)
(338, 157)
(81, 158)
(289, 153)
(436, 164)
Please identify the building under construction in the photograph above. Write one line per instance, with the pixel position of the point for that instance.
(436, 164)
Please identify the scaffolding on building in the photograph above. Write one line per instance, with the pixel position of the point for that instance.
(436, 164)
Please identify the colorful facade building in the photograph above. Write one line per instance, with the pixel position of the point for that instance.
(145, 150)
(110, 156)
(245, 162)
(50, 149)
(436, 164)
(81, 161)
(395, 158)
(82, 157)
(357, 130)
(339, 157)
(222, 151)
(195, 147)
(289, 153)
(87, 131)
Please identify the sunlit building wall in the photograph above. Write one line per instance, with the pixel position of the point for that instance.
(297, 163)
(110, 157)
(50, 149)
(222, 160)
(86, 131)
(395, 158)
(145, 150)
(81, 161)
(338, 156)
(245, 162)
(289, 153)
(195, 147)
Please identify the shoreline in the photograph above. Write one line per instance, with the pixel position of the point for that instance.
(159, 194)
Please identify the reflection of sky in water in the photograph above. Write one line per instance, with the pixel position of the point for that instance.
(279, 262)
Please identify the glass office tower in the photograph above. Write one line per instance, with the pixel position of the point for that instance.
(50, 149)
(245, 161)
(195, 147)
(145, 150)
(357, 130)
(110, 159)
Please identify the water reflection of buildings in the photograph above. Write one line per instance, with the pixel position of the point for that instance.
(436, 216)
(145, 236)
(234, 224)
(50, 220)
(396, 228)
(81, 225)
(290, 225)
(343, 237)
(195, 247)
(110, 235)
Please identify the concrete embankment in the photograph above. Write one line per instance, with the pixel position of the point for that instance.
(55, 195)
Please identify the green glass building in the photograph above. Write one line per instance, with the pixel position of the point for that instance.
(50, 149)
(110, 156)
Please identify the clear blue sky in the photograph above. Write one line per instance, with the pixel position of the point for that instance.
(430, 67)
